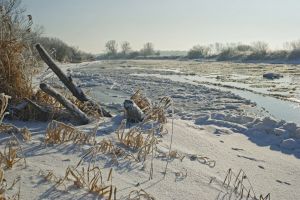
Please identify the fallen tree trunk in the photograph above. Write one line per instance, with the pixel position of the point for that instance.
(84, 119)
(68, 82)
(76, 91)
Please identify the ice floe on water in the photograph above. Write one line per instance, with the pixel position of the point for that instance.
(204, 105)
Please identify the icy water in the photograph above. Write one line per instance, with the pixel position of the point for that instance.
(278, 108)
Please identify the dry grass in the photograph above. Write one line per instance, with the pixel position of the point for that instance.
(3, 105)
(11, 129)
(239, 187)
(26, 134)
(4, 187)
(11, 154)
(157, 112)
(143, 142)
(133, 138)
(16, 60)
(141, 101)
(49, 176)
(106, 147)
(58, 133)
(90, 178)
(88, 108)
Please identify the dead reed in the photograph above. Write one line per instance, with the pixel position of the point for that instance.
(4, 187)
(16, 60)
(141, 101)
(238, 186)
(12, 153)
(58, 133)
(90, 178)
(157, 112)
(3, 105)
(106, 147)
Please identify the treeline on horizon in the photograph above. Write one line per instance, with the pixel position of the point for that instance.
(257, 51)
(16, 24)
(63, 52)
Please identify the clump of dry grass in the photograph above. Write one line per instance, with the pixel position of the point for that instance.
(11, 129)
(90, 109)
(106, 147)
(11, 154)
(239, 187)
(58, 132)
(142, 141)
(141, 101)
(157, 112)
(133, 138)
(90, 178)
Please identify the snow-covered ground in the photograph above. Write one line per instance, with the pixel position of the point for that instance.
(231, 131)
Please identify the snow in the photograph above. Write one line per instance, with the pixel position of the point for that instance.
(224, 127)
(265, 167)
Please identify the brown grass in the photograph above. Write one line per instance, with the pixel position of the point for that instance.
(144, 142)
(4, 187)
(86, 107)
(157, 112)
(11, 154)
(11, 129)
(91, 179)
(58, 132)
(238, 186)
(3, 105)
(106, 147)
(15, 60)
(141, 101)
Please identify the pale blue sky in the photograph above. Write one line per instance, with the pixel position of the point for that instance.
(169, 24)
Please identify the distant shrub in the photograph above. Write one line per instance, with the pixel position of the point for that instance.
(227, 54)
(198, 52)
(277, 55)
(244, 47)
(62, 51)
(294, 54)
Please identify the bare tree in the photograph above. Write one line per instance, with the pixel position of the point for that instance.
(125, 48)
(260, 47)
(148, 49)
(111, 47)
(293, 45)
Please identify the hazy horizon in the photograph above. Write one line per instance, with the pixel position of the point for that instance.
(169, 24)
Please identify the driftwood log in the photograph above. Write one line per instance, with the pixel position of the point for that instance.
(68, 82)
(133, 112)
(84, 119)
